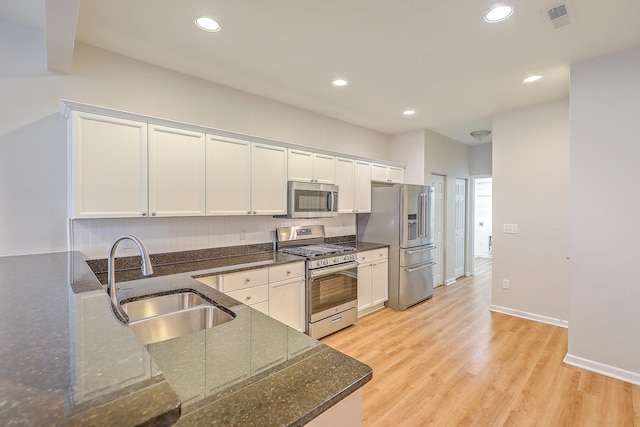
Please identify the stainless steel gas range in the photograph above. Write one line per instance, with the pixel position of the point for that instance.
(331, 278)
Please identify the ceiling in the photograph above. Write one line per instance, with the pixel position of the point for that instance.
(437, 57)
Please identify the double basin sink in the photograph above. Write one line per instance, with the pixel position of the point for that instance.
(161, 317)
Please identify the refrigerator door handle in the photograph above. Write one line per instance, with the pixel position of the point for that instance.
(430, 248)
(424, 215)
(420, 215)
(411, 270)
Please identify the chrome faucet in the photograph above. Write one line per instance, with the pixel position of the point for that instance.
(147, 269)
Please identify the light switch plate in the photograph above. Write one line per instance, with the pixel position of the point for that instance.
(510, 228)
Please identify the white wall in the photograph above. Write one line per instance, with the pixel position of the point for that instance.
(33, 134)
(531, 189)
(605, 209)
(445, 156)
(408, 148)
(481, 159)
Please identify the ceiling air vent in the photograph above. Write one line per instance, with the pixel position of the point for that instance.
(559, 16)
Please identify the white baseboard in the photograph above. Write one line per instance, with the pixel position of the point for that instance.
(450, 281)
(529, 316)
(601, 368)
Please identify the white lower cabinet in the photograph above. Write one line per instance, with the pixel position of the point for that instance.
(275, 291)
(286, 302)
(373, 280)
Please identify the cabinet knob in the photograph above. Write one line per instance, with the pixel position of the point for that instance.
(248, 297)
(255, 212)
(248, 212)
(288, 272)
(247, 279)
(153, 214)
(144, 214)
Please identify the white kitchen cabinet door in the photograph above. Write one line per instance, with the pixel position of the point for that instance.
(176, 172)
(379, 282)
(268, 179)
(108, 167)
(396, 174)
(228, 176)
(286, 302)
(345, 176)
(389, 174)
(364, 286)
(379, 172)
(324, 168)
(307, 166)
(300, 165)
(362, 184)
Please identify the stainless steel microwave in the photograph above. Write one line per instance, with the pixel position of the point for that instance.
(312, 200)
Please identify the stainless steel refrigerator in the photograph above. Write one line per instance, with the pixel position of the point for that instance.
(402, 217)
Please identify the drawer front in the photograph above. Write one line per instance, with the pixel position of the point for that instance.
(250, 296)
(378, 254)
(366, 256)
(286, 271)
(245, 279)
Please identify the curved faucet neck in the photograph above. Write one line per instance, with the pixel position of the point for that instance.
(147, 269)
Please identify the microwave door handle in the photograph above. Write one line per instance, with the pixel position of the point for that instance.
(330, 204)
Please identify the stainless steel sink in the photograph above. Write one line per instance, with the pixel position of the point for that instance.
(163, 304)
(159, 318)
(172, 325)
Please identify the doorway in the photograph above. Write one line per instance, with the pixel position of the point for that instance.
(483, 225)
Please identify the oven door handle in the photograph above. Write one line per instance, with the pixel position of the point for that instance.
(333, 269)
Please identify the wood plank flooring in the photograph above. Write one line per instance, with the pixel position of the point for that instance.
(449, 361)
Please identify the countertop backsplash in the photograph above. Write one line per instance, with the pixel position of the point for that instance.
(93, 237)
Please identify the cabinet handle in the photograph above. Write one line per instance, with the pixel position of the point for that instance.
(144, 214)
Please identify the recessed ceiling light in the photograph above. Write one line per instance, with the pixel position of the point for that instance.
(531, 79)
(207, 24)
(409, 112)
(340, 82)
(498, 14)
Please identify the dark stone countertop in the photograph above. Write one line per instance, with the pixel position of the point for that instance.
(66, 361)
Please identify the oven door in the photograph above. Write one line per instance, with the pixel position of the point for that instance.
(332, 290)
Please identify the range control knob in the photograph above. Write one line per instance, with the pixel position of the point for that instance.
(336, 259)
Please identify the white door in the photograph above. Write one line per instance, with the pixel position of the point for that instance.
(438, 182)
(460, 230)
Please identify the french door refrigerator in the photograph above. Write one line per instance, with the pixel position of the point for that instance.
(402, 217)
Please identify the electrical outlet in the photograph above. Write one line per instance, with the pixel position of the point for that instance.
(510, 228)
(242, 236)
(505, 284)
(127, 244)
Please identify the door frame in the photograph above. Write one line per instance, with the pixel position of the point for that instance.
(443, 258)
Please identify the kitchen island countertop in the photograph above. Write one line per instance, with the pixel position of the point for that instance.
(66, 361)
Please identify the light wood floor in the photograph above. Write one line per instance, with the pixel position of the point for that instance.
(449, 361)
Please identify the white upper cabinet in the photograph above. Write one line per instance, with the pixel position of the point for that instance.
(362, 180)
(384, 173)
(353, 178)
(107, 167)
(228, 176)
(176, 172)
(311, 167)
(245, 178)
(268, 179)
